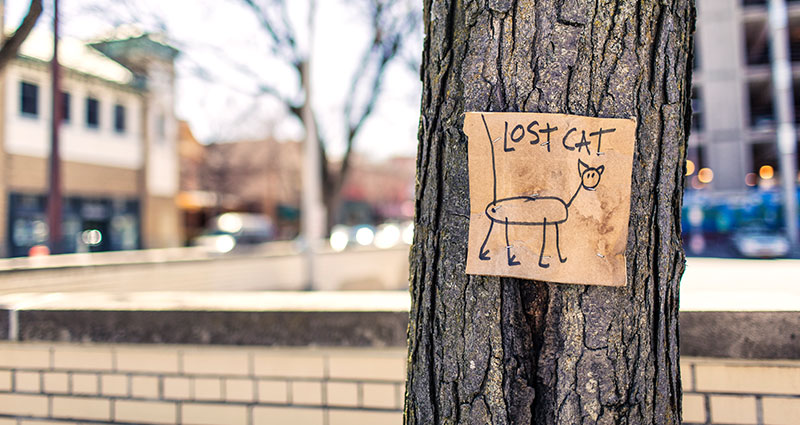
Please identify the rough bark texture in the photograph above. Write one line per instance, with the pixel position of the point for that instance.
(487, 350)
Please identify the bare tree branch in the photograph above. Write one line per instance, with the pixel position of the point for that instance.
(389, 32)
(279, 29)
(201, 71)
(11, 45)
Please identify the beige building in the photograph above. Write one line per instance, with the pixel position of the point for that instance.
(118, 144)
(733, 130)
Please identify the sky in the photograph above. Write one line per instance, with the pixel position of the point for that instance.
(223, 38)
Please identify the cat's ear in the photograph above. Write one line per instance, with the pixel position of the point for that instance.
(581, 167)
(600, 169)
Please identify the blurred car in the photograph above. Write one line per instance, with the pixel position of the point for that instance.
(343, 236)
(229, 230)
(760, 242)
(386, 235)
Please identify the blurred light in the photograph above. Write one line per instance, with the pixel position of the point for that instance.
(38, 250)
(767, 184)
(40, 230)
(766, 172)
(229, 222)
(408, 234)
(387, 236)
(92, 237)
(750, 179)
(224, 243)
(697, 243)
(705, 175)
(339, 239)
(365, 236)
(689, 167)
(750, 246)
(696, 183)
(695, 215)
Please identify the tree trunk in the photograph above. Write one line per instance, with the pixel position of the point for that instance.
(489, 350)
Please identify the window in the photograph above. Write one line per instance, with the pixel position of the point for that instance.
(29, 99)
(119, 118)
(756, 42)
(92, 112)
(763, 154)
(761, 115)
(65, 106)
(697, 110)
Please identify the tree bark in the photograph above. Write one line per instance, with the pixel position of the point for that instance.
(489, 350)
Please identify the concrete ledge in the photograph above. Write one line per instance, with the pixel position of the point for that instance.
(740, 335)
(333, 319)
(352, 319)
(288, 329)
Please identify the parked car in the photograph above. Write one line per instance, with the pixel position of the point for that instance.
(229, 230)
(343, 236)
(759, 242)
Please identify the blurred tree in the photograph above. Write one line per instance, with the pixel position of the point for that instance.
(491, 350)
(10, 46)
(255, 175)
(391, 23)
(224, 173)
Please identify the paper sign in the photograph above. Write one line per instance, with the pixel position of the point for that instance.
(549, 196)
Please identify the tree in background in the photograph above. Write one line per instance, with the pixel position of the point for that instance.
(493, 350)
(10, 46)
(392, 22)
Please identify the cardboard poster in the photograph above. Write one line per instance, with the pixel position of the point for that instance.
(549, 196)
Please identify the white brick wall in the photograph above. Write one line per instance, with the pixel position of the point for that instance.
(748, 392)
(194, 385)
(165, 384)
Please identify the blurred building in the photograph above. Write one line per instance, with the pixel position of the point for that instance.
(733, 127)
(378, 191)
(258, 176)
(118, 144)
(264, 176)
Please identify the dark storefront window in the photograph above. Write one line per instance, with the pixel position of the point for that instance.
(89, 224)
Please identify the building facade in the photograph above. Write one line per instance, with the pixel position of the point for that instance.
(118, 145)
(733, 129)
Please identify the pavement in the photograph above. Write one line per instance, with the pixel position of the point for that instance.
(708, 284)
(723, 284)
